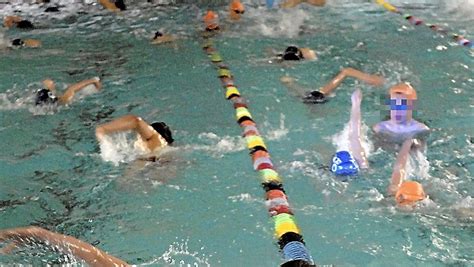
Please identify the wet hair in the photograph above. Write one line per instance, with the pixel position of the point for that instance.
(24, 24)
(292, 53)
(157, 34)
(163, 130)
(44, 97)
(315, 97)
(120, 5)
(18, 42)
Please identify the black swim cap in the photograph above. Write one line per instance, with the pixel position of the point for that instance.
(157, 34)
(24, 24)
(45, 96)
(164, 131)
(315, 97)
(18, 42)
(292, 53)
(52, 9)
(120, 4)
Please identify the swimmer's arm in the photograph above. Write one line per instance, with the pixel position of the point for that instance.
(350, 72)
(399, 172)
(290, 83)
(164, 39)
(126, 123)
(354, 133)
(67, 244)
(33, 43)
(73, 89)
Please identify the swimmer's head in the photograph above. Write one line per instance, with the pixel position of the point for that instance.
(18, 42)
(308, 53)
(45, 97)
(344, 164)
(314, 97)
(402, 102)
(24, 24)
(292, 53)
(211, 21)
(164, 131)
(409, 193)
(236, 9)
(157, 35)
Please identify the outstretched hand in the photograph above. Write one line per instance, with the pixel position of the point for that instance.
(356, 97)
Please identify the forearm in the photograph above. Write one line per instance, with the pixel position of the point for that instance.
(355, 137)
(365, 77)
(399, 172)
(73, 89)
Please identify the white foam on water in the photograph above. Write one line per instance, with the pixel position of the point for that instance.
(118, 148)
(341, 139)
(180, 254)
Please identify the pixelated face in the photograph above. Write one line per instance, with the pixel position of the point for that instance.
(400, 107)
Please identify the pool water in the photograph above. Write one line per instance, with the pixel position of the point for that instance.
(203, 205)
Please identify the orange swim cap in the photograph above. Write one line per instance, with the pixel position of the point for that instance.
(210, 19)
(409, 193)
(237, 7)
(404, 89)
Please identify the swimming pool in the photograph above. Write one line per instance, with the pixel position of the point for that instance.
(205, 206)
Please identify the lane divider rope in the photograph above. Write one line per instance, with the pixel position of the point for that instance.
(287, 232)
(417, 21)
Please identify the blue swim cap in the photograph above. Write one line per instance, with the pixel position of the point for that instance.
(344, 164)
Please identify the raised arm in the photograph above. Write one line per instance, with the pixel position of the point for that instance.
(74, 88)
(354, 131)
(399, 172)
(350, 72)
(126, 123)
(66, 244)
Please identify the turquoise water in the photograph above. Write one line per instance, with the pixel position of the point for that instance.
(204, 206)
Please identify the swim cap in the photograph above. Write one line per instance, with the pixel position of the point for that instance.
(18, 42)
(292, 53)
(210, 19)
(52, 9)
(45, 96)
(404, 89)
(24, 24)
(409, 193)
(120, 5)
(164, 131)
(314, 97)
(158, 34)
(344, 164)
(237, 7)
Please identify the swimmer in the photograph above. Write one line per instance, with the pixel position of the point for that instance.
(211, 21)
(31, 43)
(150, 138)
(293, 3)
(26, 236)
(320, 96)
(401, 124)
(349, 162)
(47, 95)
(10, 21)
(161, 38)
(236, 10)
(115, 6)
(295, 53)
(407, 193)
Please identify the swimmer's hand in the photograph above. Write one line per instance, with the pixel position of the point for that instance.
(99, 134)
(97, 83)
(287, 79)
